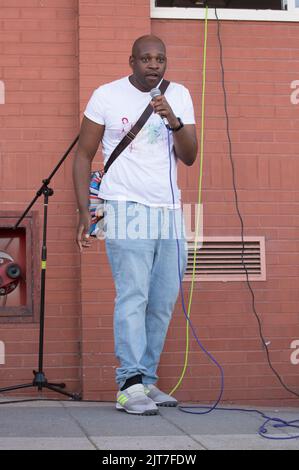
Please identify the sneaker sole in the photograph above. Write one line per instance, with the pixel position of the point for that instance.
(139, 413)
(169, 404)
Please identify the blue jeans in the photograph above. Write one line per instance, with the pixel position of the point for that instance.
(142, 250)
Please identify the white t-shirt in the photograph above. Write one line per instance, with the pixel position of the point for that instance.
(141, 173)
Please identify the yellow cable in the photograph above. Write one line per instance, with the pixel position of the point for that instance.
(199, 202)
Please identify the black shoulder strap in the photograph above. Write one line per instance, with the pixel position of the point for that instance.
(130, 136)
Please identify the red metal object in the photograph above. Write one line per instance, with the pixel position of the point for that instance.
(22, 247)
(10, 273)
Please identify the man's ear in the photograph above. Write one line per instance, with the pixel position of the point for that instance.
(131, 61)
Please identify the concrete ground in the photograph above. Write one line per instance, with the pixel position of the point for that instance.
(50, 425)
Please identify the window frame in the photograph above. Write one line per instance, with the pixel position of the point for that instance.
(291, 14)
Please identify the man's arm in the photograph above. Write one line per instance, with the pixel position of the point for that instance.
(90, 137)
(185, 140)
(185, 143)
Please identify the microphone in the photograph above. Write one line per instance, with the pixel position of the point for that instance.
(155, 92)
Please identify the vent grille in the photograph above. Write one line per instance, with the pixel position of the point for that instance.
(220, 259)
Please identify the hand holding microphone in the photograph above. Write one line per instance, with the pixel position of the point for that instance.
(162, 107)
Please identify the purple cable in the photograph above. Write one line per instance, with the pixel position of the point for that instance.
(183, 298)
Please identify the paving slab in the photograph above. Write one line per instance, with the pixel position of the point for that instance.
(244, 442)
(49, 443)
(148, 442)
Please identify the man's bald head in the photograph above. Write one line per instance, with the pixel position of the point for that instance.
(148, 62)
(147, 39)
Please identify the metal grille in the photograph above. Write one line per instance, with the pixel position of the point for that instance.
(225, 258)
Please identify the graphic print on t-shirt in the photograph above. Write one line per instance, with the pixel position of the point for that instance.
(125, 128)
(153, 132)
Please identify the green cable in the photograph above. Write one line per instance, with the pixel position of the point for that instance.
(199, 202)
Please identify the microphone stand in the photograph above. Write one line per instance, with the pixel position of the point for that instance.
(40, 381)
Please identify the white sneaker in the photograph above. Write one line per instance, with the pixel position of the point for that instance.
(160, 398)
(133, 400)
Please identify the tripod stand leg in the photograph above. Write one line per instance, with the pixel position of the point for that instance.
(57, 385)
(41, 382)
(74, 396)
(15, 387)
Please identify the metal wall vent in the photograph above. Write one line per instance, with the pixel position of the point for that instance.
(220, 259)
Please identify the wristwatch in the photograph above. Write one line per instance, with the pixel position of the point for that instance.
(175, 129)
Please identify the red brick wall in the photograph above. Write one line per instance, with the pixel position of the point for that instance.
(52, 57)
(39, 67)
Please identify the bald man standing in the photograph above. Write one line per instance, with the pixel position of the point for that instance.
(143, 223)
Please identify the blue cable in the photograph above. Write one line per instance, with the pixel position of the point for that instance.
(182, 293)
(262, 429)
(186, 409)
